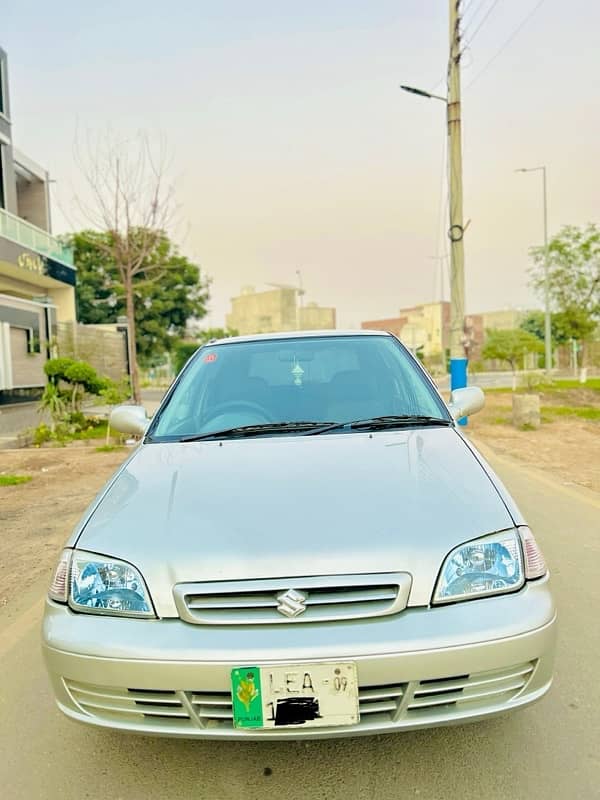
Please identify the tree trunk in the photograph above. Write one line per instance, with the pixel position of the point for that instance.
(133, 366)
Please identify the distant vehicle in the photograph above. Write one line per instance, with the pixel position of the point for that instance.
(303, 545)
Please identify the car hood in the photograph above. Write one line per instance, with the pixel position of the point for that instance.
(294, 506)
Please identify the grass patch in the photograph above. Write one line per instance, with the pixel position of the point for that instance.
(14, 480)
(93, 432)
(592, 384)
(583, 412)
(500, 420)
(76, 427)
(109, 448)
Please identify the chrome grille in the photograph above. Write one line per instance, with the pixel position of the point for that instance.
(180, 710)
(315, 599)
(467, 690)
(215, 710)
(380, 702)
(212, 708)
(139, 705)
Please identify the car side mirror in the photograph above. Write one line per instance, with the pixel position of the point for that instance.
(129, 419)
(467, 401)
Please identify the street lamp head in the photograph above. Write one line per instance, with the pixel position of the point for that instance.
(530, 169)
(423, 93)
(412, 90)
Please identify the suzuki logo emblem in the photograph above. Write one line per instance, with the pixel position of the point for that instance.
(291, 603)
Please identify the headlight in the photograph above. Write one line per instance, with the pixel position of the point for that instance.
(100, 585)
(490, 565)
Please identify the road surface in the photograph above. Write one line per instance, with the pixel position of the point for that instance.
(551, 750)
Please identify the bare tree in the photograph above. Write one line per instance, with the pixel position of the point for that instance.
(128, 199)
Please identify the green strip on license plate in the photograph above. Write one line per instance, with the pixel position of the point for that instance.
(247, 697)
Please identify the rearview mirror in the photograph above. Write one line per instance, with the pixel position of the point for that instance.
(129, 419)
(467, 401)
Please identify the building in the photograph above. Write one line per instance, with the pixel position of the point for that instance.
(390, 325)
(276, 309)
(424, 329)
(507, 319)
(37, 273)
(313, 317)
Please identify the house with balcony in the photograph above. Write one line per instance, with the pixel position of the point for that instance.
(37, 273)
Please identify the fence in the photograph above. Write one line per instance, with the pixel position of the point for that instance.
(104, 349)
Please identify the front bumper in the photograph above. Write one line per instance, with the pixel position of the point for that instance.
(423, 667)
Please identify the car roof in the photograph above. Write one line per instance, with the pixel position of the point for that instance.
(261, 337)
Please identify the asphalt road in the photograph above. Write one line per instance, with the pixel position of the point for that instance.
(550, 750)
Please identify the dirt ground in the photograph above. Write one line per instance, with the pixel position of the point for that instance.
(568, 447)
(37, 517)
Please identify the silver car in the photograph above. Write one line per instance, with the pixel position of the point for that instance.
(303, 544)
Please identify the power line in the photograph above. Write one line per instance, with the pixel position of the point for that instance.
(481, 24)
(516, 31)
(475, 14)
(442, 214)
(461, 18)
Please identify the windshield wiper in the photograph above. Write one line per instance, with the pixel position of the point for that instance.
(386, 421)
(250, 430)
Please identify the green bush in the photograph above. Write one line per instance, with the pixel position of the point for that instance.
(43, 434)
(79, 375)
(55, 368)
(83, 374)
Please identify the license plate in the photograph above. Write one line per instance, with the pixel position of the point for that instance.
(295, 695)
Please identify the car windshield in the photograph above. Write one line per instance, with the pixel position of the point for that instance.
(318, 380)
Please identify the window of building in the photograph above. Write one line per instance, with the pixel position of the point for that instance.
(2, 197)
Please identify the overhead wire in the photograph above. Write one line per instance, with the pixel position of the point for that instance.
(480, 26)
(503, 47)
(468, 18)
(442, 215)
(441, 220)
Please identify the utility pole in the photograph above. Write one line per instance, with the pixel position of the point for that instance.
(458, 361)
(547, 316)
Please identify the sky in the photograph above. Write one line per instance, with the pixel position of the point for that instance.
(293, 148)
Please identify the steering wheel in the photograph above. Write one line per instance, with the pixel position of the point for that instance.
(243, 405)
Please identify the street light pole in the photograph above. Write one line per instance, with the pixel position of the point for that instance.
(547, 317)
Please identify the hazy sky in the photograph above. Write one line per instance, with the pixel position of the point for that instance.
(295, 149)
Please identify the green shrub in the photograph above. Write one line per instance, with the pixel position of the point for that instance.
(42, 434)
(53, 401)
(76, 420)
(80, 376)
(55, 368)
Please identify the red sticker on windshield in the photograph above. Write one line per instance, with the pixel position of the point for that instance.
(210, 358)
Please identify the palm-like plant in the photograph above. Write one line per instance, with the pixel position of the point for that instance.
(53, 402)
